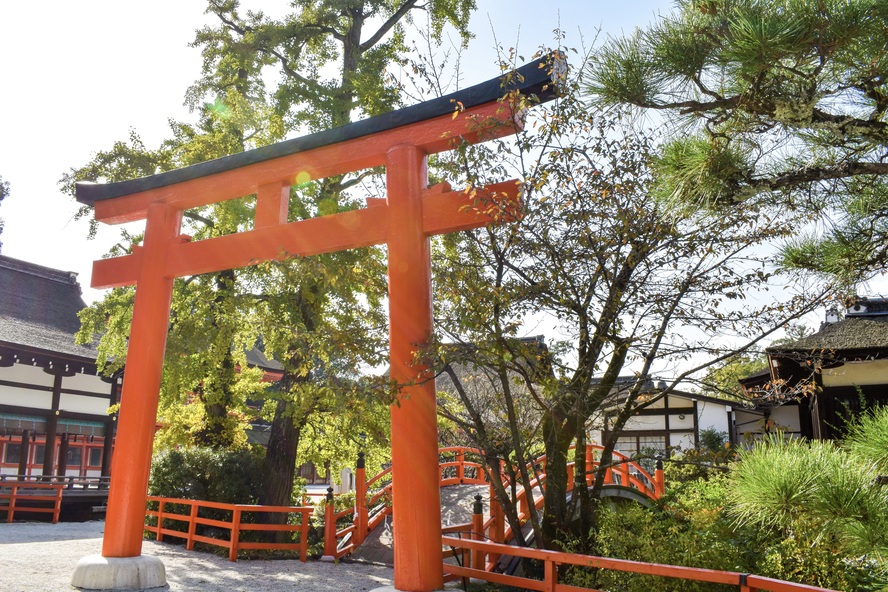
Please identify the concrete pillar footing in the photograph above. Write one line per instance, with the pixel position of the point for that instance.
(95, 572)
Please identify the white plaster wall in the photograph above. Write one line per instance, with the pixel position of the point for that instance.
(10, 395)
(86, 382)
(787, 418)
(83, 404)
(26, 374)
(680, 402)
(677, 423)
(683, 441)
(712, 415)
(660, 404)
(747, 422)
(646, 422)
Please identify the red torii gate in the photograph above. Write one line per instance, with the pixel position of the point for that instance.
(411, 213)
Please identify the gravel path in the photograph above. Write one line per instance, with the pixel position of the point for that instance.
(38, 557)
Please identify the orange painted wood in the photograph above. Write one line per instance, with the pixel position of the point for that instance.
(361, 511)
(415, 473)
(478, 124)
(672, 571)
(33, 493)
(456, 210)
(272, 204)
(131, 463)
(762, 583)
(234, 525)
(324, 234)
(442, 212)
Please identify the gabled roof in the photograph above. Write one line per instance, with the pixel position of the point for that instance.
(852, 333)
(38, 309)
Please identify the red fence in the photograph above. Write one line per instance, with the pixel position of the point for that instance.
(234, 525)
(474, 566)
(21, 496)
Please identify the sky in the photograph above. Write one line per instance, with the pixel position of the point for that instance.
(77, 76)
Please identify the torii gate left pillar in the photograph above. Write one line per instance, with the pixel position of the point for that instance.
(412, 212)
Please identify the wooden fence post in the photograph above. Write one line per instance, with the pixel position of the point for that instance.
(159, 534)
(361, 501)
(659, 480)
(497, 532)
(330, 526)
(477, 555)
(235, 534)
(192, 526)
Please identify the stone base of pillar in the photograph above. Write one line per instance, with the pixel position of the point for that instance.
(95, 572)
(393, 589)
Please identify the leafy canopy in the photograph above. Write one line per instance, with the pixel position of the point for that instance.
(781, 101)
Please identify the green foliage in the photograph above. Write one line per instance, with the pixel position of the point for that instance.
(695, 527)
(867, 439)
(629, 284)
(229, 476)
(690, 529)
(783, 102)
(722, 380)
(812, 491)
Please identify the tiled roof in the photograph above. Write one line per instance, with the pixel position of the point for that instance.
(38, 308)
(852, 333)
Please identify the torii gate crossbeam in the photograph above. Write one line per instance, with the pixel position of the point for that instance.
(411, 213)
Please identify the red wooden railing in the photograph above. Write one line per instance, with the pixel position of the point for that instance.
(234, 525)
(14, 492)
(373, 497)
(474, 565)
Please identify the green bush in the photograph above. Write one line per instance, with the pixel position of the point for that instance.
(691, 529)
(205, 474)
(228, 476)
(867, 439)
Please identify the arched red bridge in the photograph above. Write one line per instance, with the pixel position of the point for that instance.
(460, 465)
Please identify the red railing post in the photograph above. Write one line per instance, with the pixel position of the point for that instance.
(159, 534)
(361, 501)
(330, 526)
(590, 464)
(11, 510)
(192, 526)
(550, 581)
(461, 467)
(235, 533)
(303, 536)
(497, 532)
(477, 555)
(659, 480)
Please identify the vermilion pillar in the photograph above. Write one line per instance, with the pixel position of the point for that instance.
(415, 490)
(131, 463)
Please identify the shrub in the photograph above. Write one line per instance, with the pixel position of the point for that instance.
(868, 439)
(228, 476)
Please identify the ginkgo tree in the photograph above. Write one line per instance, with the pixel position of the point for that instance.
(263, 79)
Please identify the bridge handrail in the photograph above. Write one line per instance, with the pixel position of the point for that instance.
(234, 526)
(552, 559)
(373, 505)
